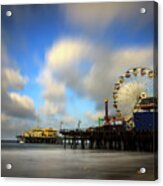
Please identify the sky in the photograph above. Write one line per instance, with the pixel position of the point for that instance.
(59, 61)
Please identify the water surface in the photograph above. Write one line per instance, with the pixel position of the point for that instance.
(53, 161)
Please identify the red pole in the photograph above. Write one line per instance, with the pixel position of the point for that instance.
(106, 111)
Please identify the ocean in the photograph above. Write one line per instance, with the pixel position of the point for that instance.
(53, 161)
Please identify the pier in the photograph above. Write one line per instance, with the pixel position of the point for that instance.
(110, 137)
(114, 133)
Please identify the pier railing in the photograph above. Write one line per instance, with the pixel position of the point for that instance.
(110, 137)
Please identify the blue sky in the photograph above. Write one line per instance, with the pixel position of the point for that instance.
(35, 32)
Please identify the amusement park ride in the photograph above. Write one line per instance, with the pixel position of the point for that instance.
(132, 98)
(136, 110)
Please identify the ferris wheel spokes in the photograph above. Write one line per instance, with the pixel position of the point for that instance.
(131, 87)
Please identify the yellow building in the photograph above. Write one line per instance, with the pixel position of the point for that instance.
(40, 132)
(49, 132)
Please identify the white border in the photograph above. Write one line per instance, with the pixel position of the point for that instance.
(66, 182)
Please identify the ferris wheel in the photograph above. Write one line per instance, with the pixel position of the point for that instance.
(135, 84)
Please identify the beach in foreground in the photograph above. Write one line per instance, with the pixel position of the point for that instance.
(55, 162)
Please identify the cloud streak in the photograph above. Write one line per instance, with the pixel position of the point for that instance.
(14, 104)
(97, 17)
(64, 65)
(92, 44)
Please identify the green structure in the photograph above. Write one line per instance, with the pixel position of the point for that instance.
(99, 121)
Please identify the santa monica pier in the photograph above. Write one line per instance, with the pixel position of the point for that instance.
(136, 132)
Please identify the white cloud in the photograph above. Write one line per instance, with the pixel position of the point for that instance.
(4, 117)
(105, 66)
(13, 79)
(60, 59)
(12, 103)
(99, 82)
(12, 126)
(50, 108)
(93, 116)
(65, 52)
(25, 103)
(53, 94)
(69, 119)
(96, 17)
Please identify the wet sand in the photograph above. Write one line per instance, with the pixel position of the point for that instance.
(76, 164)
